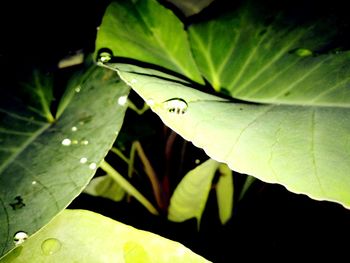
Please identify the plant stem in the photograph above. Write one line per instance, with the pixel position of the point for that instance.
(150, 172)
(128, 187)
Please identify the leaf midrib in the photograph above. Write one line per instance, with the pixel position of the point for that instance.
(24, 146)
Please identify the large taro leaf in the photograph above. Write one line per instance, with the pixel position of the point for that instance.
(305, 148)
(44, 166)
(86, 237)
(271, 55)
(146, 31)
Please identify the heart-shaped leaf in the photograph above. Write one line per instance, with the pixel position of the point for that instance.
(45, 165)
(305, 148)
(271, 55)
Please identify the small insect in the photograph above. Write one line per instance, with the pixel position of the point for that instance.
(18, 204)
(176, 106)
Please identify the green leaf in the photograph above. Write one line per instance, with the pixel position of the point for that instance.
(144, 30)
(44, 166)
(249, 180)
(39, 94)
(191, 194)
(128, 187)
(265, 55)
(105, 186)
(224, 193)
(305, 148)
(84, 236)
(191, 7)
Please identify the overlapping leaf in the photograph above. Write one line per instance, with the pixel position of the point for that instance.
(146, 31)
(264, 55)
(105, 186)
(304, 148)
(86, 237)
(299, 136)
(44, 166)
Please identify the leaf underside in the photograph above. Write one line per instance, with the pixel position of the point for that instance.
(304, 148)
(284, 60)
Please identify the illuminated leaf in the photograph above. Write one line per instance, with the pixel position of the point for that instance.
(191, 194)
(84, 236)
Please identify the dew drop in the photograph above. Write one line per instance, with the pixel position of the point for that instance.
(92, 166)
(20, 237)
(176, 106)
(83, 160)
(74, 129)
(33, 182)
(303, 52)
(66, 142)
(122, 100)
(84, 142)
(104, 56)
(133, 81)
(150, 102)
(50, 246)
(197, 161)
(77, 89)
(75, 142)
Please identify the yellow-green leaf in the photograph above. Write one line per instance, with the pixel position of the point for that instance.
(86, 237)
(224, 193)
(191, 194)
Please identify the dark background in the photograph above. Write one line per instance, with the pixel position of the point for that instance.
(269, 223)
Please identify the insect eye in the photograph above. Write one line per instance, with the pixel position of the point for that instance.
(176, 105)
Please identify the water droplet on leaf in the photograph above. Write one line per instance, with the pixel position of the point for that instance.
(83, 160)
(150, 102)
(176, 106)
(34, 183)
(104, 55)
(84, 142)
(50, 246)
(122, 100)
(92, 166)
(74, 129)
(303, 52)
(66, 142)
(20, 237)
(77, 89)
